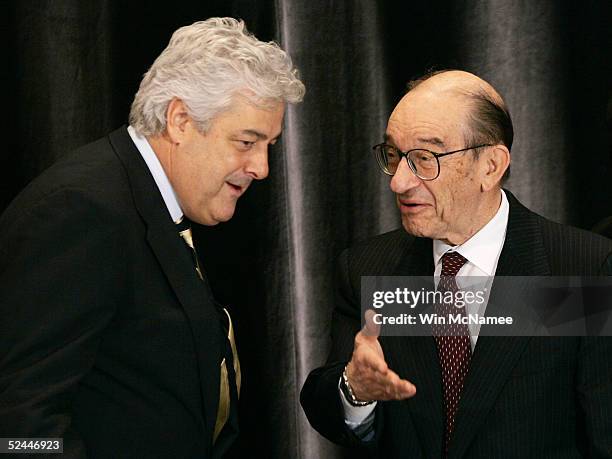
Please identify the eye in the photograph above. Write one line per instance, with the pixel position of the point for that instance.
(391, 152)
(245, 144)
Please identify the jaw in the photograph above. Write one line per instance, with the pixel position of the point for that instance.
(454, 223)
(431, 227)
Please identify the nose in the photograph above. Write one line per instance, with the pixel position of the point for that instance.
(404, 179)
(257, 167)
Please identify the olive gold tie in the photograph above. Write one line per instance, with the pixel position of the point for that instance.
(223, 409)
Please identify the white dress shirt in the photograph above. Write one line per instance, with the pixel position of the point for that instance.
(482, 253)
(157, 171)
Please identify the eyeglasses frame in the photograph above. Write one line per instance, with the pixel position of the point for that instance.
(403, 155)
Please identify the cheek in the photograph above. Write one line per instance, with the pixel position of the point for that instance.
(201, 182)
(209, 175)
(447, 199)
(226, 165)
(444, 204)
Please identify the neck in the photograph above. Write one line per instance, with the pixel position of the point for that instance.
(162, 147)
(482, 214)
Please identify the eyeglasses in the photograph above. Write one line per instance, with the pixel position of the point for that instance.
(424, 163)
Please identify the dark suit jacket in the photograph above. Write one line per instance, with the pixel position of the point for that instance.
(523, 397)
(108, 337)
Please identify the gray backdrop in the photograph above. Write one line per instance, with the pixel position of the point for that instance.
(74, 66)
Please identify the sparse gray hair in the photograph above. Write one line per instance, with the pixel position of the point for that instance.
(488, 120)
(205, 65)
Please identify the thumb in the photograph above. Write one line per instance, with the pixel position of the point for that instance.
(371, 329)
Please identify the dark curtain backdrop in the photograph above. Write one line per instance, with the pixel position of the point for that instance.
(72, 68)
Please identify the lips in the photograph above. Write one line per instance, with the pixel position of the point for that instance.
(408, 203)
(410, 206)
(411, 203)
(238, 187)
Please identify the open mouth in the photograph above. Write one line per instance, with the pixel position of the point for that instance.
(236, 188)
(412, 206)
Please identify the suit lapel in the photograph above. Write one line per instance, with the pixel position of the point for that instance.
(416, 359)
(494, 357)
(175, 261)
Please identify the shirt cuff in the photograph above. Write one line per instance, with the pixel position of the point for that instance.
(354, 416)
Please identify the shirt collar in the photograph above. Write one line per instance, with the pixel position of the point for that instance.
(484, 247)
(157, 171)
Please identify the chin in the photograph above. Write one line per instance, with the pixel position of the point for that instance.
(224, 215)
(209, 219)
(414, 230)
(215, 214)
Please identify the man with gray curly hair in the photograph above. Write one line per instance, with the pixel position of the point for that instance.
(209, 106)
(132, 356)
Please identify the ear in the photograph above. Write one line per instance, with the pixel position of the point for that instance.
(496, 160)
(177, 120)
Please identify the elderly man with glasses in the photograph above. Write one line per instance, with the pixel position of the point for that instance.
(457, 394)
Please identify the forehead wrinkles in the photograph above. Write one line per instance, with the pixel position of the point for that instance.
(420, 133)
(443, 117)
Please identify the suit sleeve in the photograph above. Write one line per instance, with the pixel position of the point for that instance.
(595, 393)
(320, 397)
(595, 388)
(60, 270)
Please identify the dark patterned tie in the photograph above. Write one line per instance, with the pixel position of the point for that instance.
(453, 343)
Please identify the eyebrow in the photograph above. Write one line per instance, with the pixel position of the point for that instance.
(387, 139)
(432, 141)
(429, 140)
(259, 135)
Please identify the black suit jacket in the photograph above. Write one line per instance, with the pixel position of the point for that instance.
(523, 397)
(108, 337)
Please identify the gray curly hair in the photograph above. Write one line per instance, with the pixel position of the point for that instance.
(205, 65)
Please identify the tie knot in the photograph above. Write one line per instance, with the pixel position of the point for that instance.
(183, 224)
(452, 263)
(184, 230)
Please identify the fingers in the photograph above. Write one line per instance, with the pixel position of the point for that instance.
(391, 387)
(368, 373)
(398, 388)
(368, 384)
(371, 329)
(371, 357)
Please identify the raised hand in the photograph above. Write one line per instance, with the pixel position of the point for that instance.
(368, 374)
